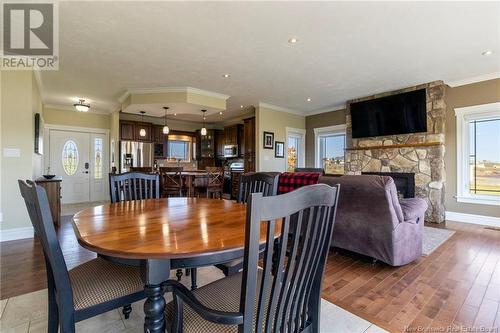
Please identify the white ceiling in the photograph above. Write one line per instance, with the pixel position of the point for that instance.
(345, 49)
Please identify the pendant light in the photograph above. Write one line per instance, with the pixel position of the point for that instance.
(81, 106)
(165, 127)
(142, 131)
(204, 128)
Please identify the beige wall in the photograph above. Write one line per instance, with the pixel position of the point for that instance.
(114, 138)
(74, 118)
(468, 95)
(269, 120)
(320, 120)
(19, 101)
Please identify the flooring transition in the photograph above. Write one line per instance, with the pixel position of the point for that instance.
(28, 314)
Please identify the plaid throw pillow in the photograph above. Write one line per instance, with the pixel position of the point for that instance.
(290, 181)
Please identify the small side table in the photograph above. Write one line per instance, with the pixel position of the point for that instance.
(53, 189)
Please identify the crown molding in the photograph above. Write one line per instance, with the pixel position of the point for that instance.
(163, 90)
(279, 108)
(325, 110)
(71, 108)
(474, 79)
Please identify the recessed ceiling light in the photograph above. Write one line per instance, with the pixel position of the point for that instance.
(226, 75)
(241, 106)
(220, 113)
(309, 99)
(487, 52)
(292, 40)
(175, 114)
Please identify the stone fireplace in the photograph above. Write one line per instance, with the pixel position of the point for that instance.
(418, 153)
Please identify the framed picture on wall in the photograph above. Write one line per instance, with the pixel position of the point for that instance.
(279, 149)
(268, 140)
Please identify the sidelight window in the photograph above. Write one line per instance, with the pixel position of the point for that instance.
(98, 158)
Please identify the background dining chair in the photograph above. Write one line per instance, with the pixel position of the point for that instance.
(87, 290)
(284, 297)
(134, 186)
(258, 182)
(141, 169)
(171, 181)
(215, 183)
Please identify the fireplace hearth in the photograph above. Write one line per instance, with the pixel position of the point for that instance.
(405, 182)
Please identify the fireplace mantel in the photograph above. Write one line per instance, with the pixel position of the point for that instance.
(403, 145)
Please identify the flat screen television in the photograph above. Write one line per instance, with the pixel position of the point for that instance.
(397, 114)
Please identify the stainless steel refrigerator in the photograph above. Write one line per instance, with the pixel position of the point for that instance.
(135, 154)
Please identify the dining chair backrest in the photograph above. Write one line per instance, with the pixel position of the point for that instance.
(287, 296)
(171, 176)
(257, 182)
(38, 208)
(215, 176)
(134, 186)
(320, 170)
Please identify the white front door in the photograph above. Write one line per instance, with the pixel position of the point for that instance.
(80, 158)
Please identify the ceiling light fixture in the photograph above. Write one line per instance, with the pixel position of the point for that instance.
(204, 128)
(227, 75)
(220, 112)
(292, 40)
(487, 52)
(241, 106)
(81, 106)
(142, 131)
(309, 99)
(165, 127)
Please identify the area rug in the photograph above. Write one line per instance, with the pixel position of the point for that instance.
(433, 238)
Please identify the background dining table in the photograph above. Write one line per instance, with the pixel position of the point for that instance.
(163, 234)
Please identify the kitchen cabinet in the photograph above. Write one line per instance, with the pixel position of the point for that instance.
(157, 134)
(220, 141)
(235, 183)
(137, 130)
(231, 134)
(206, 144)
(249, 135)
(249, 141)
(127, 130)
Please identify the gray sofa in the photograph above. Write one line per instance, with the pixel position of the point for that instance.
(372, 221)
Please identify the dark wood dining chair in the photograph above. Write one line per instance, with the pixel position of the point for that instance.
(85, 291)
(134, 186)
(215, 181)
(258, 182)
(320, 170)
(171, 181)
(285, 294)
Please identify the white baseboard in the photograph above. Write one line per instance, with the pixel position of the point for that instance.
(16, 233)
(473, 219)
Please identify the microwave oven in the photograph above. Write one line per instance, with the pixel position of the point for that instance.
(230, 151)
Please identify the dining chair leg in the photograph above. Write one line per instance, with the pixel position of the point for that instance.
(127, 309)
(178, 274)
(193, 278)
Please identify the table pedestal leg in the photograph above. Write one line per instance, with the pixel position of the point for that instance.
(153, 309)
(154, 272)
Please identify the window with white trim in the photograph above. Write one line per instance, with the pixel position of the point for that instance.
(478, 154)
(330, 148)
(295, 148)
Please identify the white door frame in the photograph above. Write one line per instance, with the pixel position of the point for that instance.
(299, 132)
(90, 130)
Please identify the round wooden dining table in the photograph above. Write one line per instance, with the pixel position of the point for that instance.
(162, 234)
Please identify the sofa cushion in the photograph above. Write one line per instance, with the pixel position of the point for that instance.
(413, 208)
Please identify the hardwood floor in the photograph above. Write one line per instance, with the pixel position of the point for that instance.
(456, 285)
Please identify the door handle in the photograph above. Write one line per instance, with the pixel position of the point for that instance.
(86, 166)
